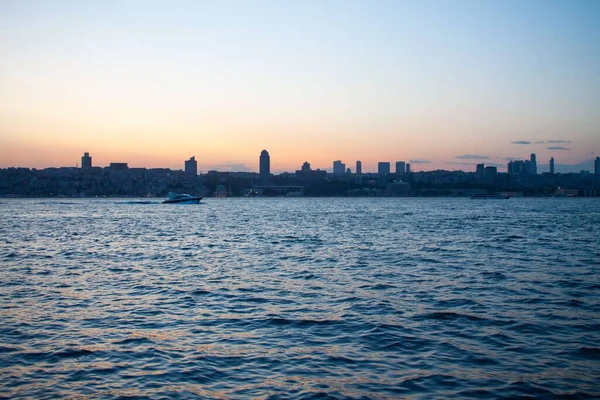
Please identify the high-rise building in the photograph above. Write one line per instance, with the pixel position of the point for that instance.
(358, 167)
(552, 165)
(383, 168)
(490, 173)
(400, 168)
(597, 166)
(532, 164)
(265, 166)
(86, 161)
(191, 166)
(339, 167)
(479, 170)
(305, 172)
(407, 168)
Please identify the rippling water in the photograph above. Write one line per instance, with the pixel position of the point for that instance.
(300, 298)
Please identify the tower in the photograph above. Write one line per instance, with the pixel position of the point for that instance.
(480, 170)
(358, 167)
(265, 166)
(597, 166)
(339, 168)
(191, 166)
(532, 164)
(383, 168)
(552, 165)
(400, 168)
(86, 160)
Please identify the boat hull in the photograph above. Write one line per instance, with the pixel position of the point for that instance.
(192, 200)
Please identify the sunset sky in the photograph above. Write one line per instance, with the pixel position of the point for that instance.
(444, 84)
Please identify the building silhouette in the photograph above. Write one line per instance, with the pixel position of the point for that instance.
(307, 173)
(489, 173)
(265, 166)
(552, 165)
(86, 160)
(407, 168)
(400, 168)
(339, 168)
(191, 167)
(480, 170)
(517, 167)
(532, 164)
(383, 168)
(359, 167)
(118, 165)
(597, 166)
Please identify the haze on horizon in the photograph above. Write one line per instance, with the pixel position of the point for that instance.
(443, 84)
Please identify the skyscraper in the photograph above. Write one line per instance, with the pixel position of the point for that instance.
(383, 168)
(86, 160)
(479, 170)
(265, 166)
(191, 166)
(407, 168)
(339, 168)
(532, 164)
(552, 165)
(358, 167)
(400, 168)
(597, 166)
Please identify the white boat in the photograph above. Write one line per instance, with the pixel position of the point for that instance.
(181, 198)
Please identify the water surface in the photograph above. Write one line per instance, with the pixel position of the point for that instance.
(300, 298)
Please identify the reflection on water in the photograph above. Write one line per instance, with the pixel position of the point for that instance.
(302, 298)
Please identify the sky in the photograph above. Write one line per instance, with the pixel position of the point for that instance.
(440, 84)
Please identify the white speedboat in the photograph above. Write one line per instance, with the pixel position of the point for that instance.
(181, 198)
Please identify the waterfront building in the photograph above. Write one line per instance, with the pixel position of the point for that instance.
(383, 168)
(358, 167)
(517, 167)
(118, 165)
(479, 170)
(397, 189)
(309, 174)
(489, 173)
(597, 166)
(265, 166)
(400, 168)
(86, 160)
(191, 166)
(532, 164)
(552, 165)
(339, 167)
(407, 168)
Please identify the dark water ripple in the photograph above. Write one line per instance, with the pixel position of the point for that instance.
(300, 298)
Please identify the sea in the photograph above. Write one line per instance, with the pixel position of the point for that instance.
(300, 298)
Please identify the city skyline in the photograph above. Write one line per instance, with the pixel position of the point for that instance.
(438, 85)
(339, 167)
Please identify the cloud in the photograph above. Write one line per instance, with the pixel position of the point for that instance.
(509, 158)
(472, 157)
(521, 142)
(230, 166)
(471, 164)
(540, 142)
(557, 148)
(458, 163)
(420, 162)
(559, 141)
